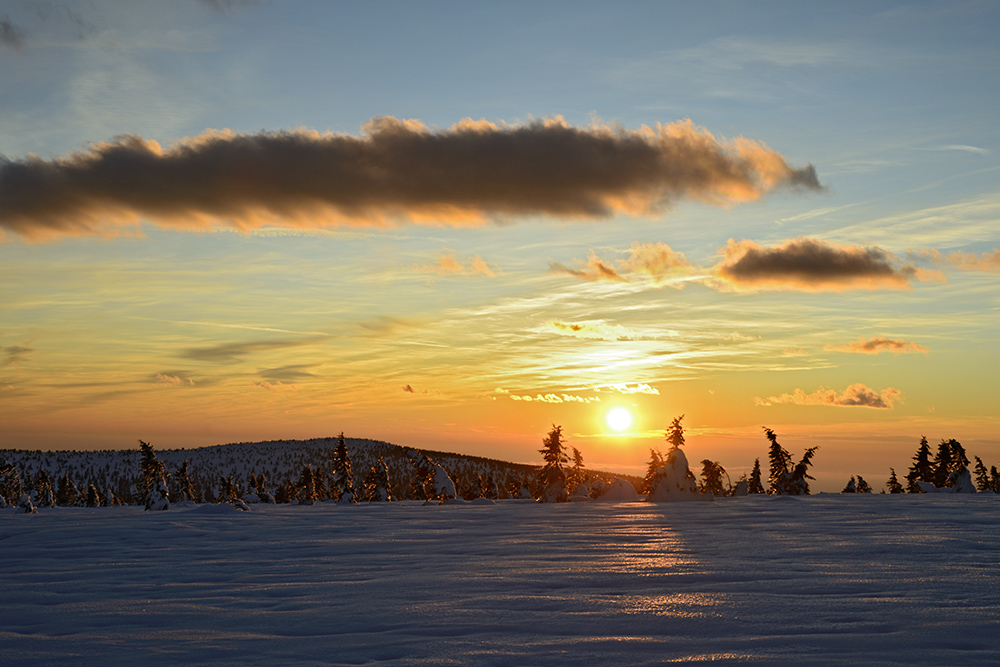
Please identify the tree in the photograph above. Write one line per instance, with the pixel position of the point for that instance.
(921, 470)
(779, 459)
(152, 473)
(675, 434)
(754, 485)
(863, 486)
(306, 486)
(552, 475)
(67, 495)
(711, 478)
(982, 475)
(852, 486)
(576, 474)
(184, 487)
(93, 497)
(893, 483)
(655, 462)
(342, 484)
(44, 491)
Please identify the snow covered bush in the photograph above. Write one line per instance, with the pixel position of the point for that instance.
(674, 481)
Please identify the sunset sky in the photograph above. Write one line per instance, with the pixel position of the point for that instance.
(452, 225)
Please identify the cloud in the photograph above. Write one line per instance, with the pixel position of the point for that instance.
(397, 171)
(657, 261)
(591, 330)
(10, 35)
(877, 345)
(855, 396)
(449, 264)
(275, 387)
(987, 261)
(288, 373)
(173, 379)
(227, 353)
(625, 388)
(13, 355)
(812, 265)
(555, 398)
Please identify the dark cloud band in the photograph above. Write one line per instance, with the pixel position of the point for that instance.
(395, 172)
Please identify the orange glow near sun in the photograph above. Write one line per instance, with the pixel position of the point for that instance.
(619, 419)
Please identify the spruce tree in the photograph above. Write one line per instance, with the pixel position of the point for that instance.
(942, 464)
(655, 462)
(675, 434)
(754, 485)
(852, 486)
(921, 470)
(93, 497)
(151, 473)
(863, 486)
(306, 486)
(576, 474)
(552, 475)
(44, 491)
(982, 475)
(67, 495)
(183, 484)
(780, 460)
(893, 483)
(711, 478)
(342, 484)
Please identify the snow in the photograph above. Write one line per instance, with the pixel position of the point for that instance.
(674, 481)
(818, 580)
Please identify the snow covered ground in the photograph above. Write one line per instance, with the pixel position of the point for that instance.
(827, 579)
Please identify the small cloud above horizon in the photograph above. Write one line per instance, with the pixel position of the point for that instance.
(855, 396)
(877, 345)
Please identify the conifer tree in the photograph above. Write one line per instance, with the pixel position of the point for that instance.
(576, 474)
(552, 475)
(942, 464)
(183, 484)
(152, 473)
(44, 491)
(711, 478)
(342, 484)
(852, 486)
(921, 470)
(893, 483)
(780, 460)
(67, 495)
(982, 475)
(93, 497)
(675, 434)
(994, 479)
(655, 462)
(754, 484)
(306, 486)
(863, 486)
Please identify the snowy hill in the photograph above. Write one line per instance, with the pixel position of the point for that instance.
(280, 461)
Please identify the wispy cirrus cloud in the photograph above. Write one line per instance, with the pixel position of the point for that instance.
(855, 396)
(959, 259)
(14, 355)
(656, 261)
(448, 264)
(398, 171)
(227, 353)
(877, 345)
(593, 330)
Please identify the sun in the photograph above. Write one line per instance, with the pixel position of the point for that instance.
(619, 419)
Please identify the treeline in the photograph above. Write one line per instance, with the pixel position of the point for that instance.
(302, 472)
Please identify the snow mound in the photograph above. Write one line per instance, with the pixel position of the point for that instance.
(674, 482)
(481, 501)
(618, 491)
(221, 508)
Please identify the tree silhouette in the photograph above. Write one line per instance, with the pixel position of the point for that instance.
(552, 475)
(921, 470)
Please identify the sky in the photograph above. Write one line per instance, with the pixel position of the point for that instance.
(454, 225)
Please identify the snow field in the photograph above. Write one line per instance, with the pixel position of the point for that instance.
(827, 579)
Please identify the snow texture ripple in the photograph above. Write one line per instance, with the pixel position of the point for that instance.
(824, 580)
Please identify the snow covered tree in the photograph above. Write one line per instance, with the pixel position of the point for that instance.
(376, 485)
(576, 475)
(674, 480)
(151, 473)
(655, 462)
(11, 487)
(67, 495)
(785, 479)
(852, 486)
(93, 497)
(863, 486)
(711, 478)
(780, 461)
(893, 484)
(342, 484)
(306, 486)
(921, 470)
(552, 475)
(45, 494)
(431, 480)
(260, 489)
(183, 486)
(754, 484)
